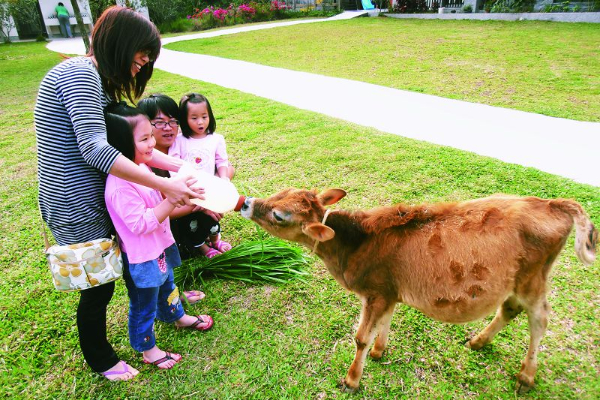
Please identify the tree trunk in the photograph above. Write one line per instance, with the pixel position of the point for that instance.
(82, 28)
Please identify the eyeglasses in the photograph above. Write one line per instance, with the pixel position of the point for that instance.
(163, 124)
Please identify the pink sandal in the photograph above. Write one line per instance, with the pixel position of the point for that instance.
(188, 295)
(125, 370)
(212, 252)
(220, 245)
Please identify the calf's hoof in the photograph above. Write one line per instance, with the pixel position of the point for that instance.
(522, 388)
(524, 384)
(346, 388)
(475, 344)
(376, 354)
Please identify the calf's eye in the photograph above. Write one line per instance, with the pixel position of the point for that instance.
(277, 217)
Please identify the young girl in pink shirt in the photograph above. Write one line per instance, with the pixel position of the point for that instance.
(141, 218)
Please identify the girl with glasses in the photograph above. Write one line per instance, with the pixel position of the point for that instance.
(196, 230)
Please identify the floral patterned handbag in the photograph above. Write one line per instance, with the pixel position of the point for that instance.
(84, 265)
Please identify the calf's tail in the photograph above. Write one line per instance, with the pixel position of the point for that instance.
(586, 235)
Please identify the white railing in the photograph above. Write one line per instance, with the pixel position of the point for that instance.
(445, 3)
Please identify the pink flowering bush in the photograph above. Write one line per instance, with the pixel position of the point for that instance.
(246, 12)
(278, 8)
(212, 17)
(253, 11)
(278, 5)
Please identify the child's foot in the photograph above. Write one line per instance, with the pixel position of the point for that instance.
(218, 244)
(192, 296)
(199, 323)
(208, 251)
(162, 359)
(120, 372)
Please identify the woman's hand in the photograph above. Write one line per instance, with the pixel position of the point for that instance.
(177, 190)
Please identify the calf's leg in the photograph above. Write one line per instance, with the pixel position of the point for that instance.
(538, 322)
(382, 337)
(506, 313)
(373, 310)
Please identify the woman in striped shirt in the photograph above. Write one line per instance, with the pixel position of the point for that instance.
(74, 156)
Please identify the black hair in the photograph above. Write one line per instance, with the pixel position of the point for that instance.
(195, 98)
(156, 103)
(61, 4)
(120, 123)
(118, 35)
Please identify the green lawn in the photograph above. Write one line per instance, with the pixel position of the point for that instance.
(292, 341)
(543, 67)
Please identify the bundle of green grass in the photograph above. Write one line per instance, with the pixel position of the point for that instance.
(269, 260)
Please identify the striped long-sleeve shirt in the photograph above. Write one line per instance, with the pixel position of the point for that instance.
(73, 154)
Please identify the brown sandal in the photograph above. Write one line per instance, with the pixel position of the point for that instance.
(168, 356)
(202, 323)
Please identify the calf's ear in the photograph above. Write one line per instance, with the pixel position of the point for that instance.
(331, 196)
(318, 231)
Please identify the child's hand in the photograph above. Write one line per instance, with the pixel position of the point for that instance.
(177, 190)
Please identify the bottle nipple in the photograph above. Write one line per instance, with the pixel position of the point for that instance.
(239, 204)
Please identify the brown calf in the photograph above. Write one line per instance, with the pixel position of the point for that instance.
(455, 262)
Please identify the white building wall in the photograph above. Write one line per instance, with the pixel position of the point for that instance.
(13, 34)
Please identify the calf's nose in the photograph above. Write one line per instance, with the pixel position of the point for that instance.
(246, 207)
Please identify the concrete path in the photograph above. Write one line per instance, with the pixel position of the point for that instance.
(559, 146)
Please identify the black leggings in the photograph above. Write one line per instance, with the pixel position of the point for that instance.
(91, 312)
(91, 323)
(192, 230)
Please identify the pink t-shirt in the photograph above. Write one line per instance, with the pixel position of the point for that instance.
(131, 208)
(205, 154)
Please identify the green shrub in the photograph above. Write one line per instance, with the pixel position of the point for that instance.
(178, 25)
(468, 9)
(98, 6)
(166, 11)
(565, 6)
(512, 6)
(410, 6)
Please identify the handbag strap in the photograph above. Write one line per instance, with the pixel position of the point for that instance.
(45, 234)
(43, 229)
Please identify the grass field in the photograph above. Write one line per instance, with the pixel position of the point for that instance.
(542, 67)
(292, 341)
